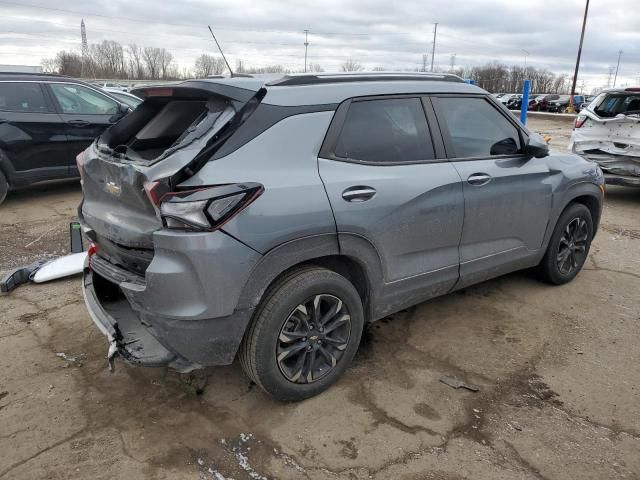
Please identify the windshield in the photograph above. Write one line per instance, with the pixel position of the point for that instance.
(612, 104)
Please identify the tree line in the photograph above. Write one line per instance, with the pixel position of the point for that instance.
(112, 60)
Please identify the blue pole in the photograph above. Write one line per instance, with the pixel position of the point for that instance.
(525, 101)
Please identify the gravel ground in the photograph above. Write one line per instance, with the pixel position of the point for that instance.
(557, 369)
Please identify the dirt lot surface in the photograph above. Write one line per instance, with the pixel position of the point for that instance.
(557, 368)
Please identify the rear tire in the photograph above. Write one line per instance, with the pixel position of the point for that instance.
(569, 245)
(4, 187)
(303, 335)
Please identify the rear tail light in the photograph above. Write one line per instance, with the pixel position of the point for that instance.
(207, 208)
(80, 165)
(155, 191)
(580, 119)
(93, 249)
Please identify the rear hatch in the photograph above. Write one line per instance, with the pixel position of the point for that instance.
(608, 132)
(164, 141)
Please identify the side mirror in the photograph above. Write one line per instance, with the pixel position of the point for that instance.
(536, 146)
(123, 108)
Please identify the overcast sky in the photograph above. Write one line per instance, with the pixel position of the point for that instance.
(393, 34)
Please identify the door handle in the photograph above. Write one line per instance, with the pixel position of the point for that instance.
(78, 123)
(479, 179)
(358, 193)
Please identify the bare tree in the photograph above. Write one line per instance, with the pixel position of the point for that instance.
(152, 60)
(49, 65)
(136, 64)
(166, 61)
(316, 67)
(206, 65)
(351, 66)
(108, 59)
(67, 63)
(378, 69)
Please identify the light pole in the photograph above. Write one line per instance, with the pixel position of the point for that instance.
(575, 74)
(615, 79)
(306, 46)
(526, 54)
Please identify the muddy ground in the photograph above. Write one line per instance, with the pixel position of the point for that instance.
(557, 367)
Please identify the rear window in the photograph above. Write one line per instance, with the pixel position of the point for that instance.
(22, 97)
(610, 105)
(385, 131)
(160, 125)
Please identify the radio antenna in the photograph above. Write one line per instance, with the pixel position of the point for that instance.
(221, 52)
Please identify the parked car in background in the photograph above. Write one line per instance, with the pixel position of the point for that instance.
(508, 96)
(516, 102)
(271, 220)
(45, 121)
(607, 132)
(541, 102)
(511, 100)
(111, 85)
(127, 98)
(561, 105)
(587, 100)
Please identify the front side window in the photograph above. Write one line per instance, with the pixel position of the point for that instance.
(477, 129)
(81, 100)
(22, 97)
(385, 131)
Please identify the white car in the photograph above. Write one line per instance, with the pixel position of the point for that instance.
(607, 132)
(128, 99)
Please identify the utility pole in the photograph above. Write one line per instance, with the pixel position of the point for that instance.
(306, 46)
(526, 54)
(610, 75)
(453, 62)
(575, 75)
(85, 48)
(615, 79)
(433, 48)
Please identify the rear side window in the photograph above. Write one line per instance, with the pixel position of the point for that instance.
(385, 131)
(22, 97)
(477, 129)
(610, 105)
(83, 101)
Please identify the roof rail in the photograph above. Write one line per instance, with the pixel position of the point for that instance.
(315, 79)
(32, 74)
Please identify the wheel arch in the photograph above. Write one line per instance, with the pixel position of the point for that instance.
(319, 250)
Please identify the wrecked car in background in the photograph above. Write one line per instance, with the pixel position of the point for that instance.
(607, 132)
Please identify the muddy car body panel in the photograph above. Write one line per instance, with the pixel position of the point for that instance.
(211, 192)
(607, 132)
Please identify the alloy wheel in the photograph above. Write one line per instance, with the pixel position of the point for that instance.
(572, 249)
(313, 338)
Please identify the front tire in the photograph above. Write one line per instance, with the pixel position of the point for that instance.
(304, 334)
(4, 187)
(569, 245)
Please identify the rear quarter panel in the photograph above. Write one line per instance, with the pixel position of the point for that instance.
(284, 159)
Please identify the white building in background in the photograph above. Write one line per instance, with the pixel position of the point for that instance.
(21, 68)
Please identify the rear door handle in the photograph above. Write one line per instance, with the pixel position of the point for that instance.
(358, 193)
(479, 179)
(78, 123)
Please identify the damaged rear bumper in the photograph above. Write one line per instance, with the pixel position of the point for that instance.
(618, 169)
(112, 297)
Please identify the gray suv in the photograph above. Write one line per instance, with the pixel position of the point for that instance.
(271, 220)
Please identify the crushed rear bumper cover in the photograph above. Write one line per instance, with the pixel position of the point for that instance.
(144, 338)
(618, 169)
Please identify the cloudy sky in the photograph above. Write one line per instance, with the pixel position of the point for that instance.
(393, 34)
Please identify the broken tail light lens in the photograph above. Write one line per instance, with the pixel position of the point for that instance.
(207, 208)
(580, 119)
